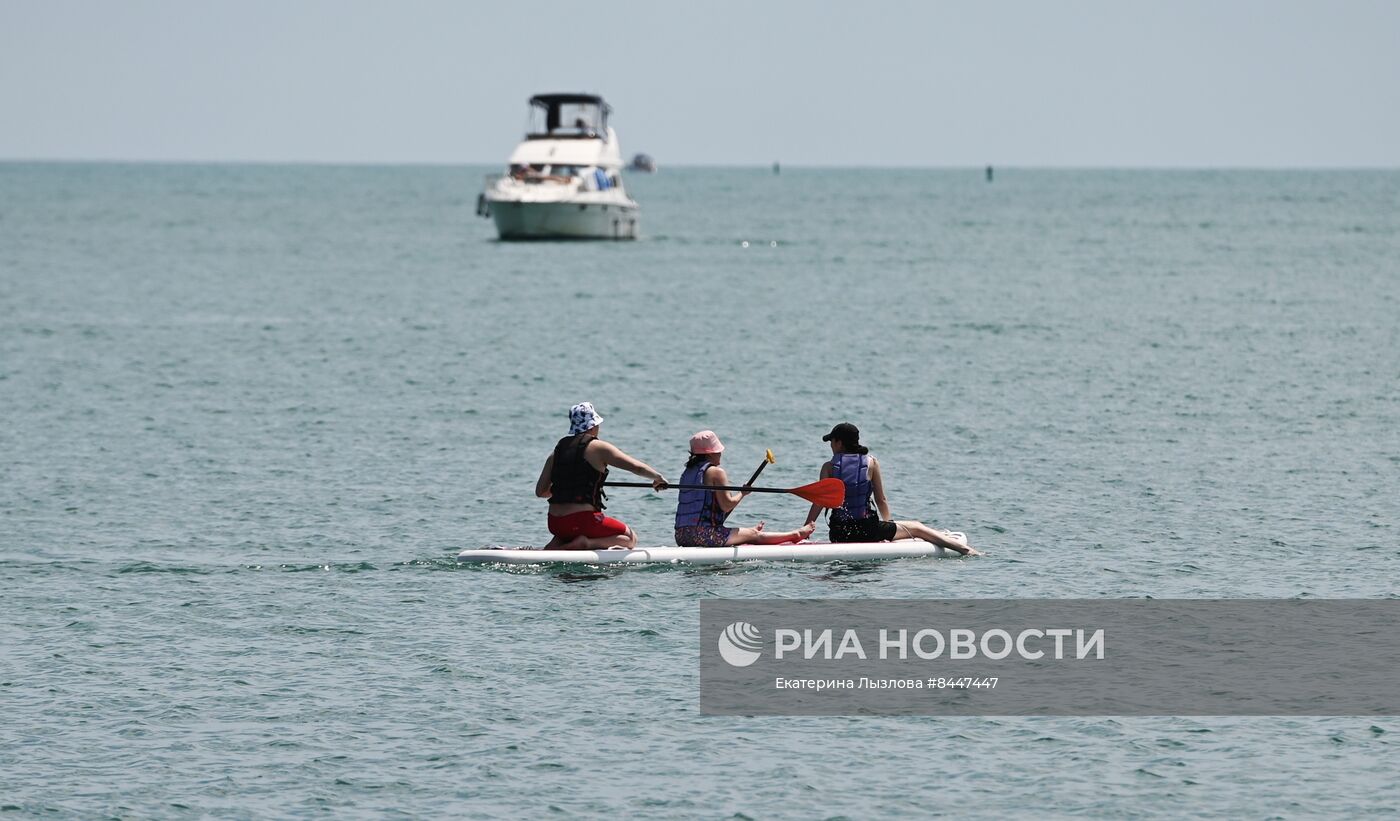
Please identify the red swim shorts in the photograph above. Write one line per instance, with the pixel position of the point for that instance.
(588, 523)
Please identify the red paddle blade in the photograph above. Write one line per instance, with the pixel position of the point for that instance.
(826, 493)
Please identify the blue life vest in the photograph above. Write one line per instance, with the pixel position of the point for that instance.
(854, 470)
(698, 507)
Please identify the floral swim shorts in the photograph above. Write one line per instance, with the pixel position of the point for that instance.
(703, 536)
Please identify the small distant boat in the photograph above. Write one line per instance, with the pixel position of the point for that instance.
(564, 180)
(643, 163)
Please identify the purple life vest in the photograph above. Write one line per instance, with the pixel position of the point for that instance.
(854, 470)
(698, 507)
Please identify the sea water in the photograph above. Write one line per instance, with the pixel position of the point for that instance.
(250, 414)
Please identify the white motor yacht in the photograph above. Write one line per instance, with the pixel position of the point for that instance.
(565, 177)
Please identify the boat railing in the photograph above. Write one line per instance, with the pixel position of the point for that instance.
(531, 178)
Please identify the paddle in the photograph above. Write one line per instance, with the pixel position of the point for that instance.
(767, 460)
(825, 493)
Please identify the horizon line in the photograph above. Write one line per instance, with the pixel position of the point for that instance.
(684, 165)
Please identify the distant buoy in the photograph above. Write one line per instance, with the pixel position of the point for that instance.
(773, 244)
(776, 169)
(989, 173)
(744, 244)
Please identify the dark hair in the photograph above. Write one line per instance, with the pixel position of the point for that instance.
(849, 437)
(695, 459)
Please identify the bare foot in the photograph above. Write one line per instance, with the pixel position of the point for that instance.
(959, 539)
(794, 536)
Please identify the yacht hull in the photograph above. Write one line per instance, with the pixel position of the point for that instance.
(564, 220)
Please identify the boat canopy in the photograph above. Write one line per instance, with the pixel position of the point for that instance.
(568, 117)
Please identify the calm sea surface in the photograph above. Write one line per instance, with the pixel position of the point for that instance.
(251, 413)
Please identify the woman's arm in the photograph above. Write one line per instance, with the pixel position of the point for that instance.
(611, 456)
(726, 499)
(542, 484)
(878, 485)
(817, 511)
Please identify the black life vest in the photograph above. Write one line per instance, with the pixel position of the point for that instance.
(573, 480)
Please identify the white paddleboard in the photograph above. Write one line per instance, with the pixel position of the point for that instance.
(805, 552)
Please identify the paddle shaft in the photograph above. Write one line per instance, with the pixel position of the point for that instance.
(701, 487)
(761, 466)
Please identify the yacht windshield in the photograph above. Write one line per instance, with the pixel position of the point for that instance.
(567, 116)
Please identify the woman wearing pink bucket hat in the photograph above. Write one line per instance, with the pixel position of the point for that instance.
(700, 514)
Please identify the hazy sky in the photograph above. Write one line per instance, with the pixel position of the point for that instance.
(1169, 83)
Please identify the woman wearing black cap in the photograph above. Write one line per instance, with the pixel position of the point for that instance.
(856, 521)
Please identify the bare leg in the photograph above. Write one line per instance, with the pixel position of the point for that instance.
(757, 535)
(554, 544)
(919, 530)
(627, 540)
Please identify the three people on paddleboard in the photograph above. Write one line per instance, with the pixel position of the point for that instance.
(856, 520)
(573, 476)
